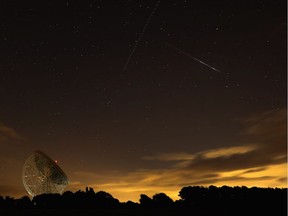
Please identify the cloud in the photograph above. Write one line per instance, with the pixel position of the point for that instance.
(255, 170)
(170, 157)
(8, 132)
(266, 130)
(11, 162)
(181, 156)
(227, 152)
(260, 160)
(129, 186)
(283, 180)
(12, 191)
(8, 135)
(9, 143)
(228, 180)
(212, 153)
(234, 162)
(210, 160)
(269, 129)
(267, 124)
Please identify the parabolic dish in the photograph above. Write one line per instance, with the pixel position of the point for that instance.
(42, 175)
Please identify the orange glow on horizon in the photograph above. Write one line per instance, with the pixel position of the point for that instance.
(131, 186)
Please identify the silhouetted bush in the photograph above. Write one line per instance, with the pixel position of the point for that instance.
(161, 200)
(145, 201)
(47, 201)
(105, 200)
(130, 205)
(24, 203)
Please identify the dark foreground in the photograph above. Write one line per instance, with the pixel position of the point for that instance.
(144, 212)
(198, 201)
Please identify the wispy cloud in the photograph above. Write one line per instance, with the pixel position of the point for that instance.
(10, 162)
(262, 163)
(7, 134)
(267, 124)
(171, 157)
(260, 160)
(208, 154)
(18, 191)
(227, 152)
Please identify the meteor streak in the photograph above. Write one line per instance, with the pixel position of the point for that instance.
(188, 55)
(140, 36)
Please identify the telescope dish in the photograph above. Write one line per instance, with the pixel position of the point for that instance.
(41, 175)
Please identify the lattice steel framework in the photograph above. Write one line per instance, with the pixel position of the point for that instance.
(42, 175)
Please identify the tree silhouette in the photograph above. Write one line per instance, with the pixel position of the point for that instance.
(162, 200)
(105, 200)
(24, 203)
(146, 201)
(196, 200)
(193, 195)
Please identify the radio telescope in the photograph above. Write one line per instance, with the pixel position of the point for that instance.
(41, 174)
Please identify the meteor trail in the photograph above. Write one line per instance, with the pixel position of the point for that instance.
(188, 55)
(141, 34)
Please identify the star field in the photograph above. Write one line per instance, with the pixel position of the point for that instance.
(124, 93)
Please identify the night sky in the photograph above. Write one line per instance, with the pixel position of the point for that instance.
(142, 96)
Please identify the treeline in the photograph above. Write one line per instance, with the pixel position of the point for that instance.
(199, 200)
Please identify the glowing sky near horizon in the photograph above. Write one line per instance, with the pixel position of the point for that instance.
(163, 122)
